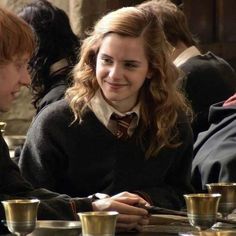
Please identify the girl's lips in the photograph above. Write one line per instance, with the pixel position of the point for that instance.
(116, 85)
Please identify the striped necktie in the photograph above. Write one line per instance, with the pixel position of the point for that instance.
(123, 123)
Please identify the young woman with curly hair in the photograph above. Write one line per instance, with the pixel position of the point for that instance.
(77, 145)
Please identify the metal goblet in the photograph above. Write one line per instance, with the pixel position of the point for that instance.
(98, 223)
(228, 196)
(2, 127)
(202, 209)
(21, 215)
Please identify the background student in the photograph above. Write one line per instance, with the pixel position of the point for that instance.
(56, 52)
(207, 78)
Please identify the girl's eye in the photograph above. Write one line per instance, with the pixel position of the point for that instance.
(131, 65)
(106, 61)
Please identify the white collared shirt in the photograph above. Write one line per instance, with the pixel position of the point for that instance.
(185, 55)
(103, 112)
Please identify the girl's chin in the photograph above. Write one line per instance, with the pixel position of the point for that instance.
(111, 96)
(112, 100)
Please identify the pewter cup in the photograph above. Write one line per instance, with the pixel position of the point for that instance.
(202, 209)
(21, 215)
(228, 196)
(2, 127)
(98, 223)
(209, 233)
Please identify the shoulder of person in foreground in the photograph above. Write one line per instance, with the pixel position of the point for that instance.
(214, 149)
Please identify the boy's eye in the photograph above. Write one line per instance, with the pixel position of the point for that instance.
(29, 67)
(21, 65)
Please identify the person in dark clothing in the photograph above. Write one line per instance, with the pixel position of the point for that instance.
(55, 54)
(207, 79)
(54, 57)
(215, 149)
(16, 47)
(76, 145)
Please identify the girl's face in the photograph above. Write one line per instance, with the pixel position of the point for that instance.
(12, 76)
(121, 69)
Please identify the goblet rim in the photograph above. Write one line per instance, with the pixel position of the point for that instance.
(202, 195)
(99, 213)
(21, 201)
(221, 184)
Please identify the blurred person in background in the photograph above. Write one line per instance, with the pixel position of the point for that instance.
(55, 54)
(207, 79)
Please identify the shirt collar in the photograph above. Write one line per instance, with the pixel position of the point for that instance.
(185, 55)
(103, 110)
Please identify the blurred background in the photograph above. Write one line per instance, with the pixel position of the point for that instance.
(212, 22)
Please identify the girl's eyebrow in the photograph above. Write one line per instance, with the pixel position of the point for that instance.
(126, 61)
(133, 61)
(105, 55)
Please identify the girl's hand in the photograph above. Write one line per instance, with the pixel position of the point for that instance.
(130, 215)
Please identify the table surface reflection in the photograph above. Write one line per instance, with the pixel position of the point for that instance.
(207, 233)
(169, 226)
(171, 232)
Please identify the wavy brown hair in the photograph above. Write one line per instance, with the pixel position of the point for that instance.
(159, 98)
(173, 21)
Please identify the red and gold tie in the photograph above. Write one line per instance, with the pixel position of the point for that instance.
(123, 123)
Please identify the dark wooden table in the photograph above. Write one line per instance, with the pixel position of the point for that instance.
(169, 226)
(158, 233)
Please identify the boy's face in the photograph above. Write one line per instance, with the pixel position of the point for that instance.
(13, 75)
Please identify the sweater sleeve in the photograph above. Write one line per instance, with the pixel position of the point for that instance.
(56, 206)
(43, 161)
(52, 206)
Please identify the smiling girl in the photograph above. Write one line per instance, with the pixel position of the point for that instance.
(76, 146)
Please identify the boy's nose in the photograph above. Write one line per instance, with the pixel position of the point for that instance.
(25, 78)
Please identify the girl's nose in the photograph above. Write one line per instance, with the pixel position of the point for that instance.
(115, 72)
